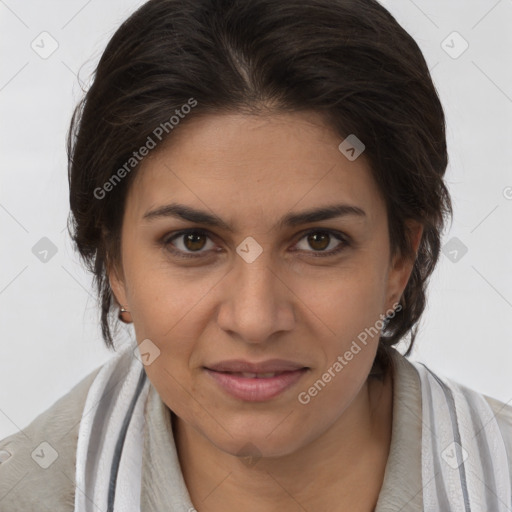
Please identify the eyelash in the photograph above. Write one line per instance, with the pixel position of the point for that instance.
(166, 242)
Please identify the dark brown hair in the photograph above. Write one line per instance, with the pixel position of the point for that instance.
(348, 60)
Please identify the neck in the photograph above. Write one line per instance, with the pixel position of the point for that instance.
(341, 470)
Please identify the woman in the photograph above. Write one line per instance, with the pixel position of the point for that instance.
(258, 188)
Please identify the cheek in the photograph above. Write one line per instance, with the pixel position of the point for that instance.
(159, 294)
(350, 296)
(168, 308)
(349, 305)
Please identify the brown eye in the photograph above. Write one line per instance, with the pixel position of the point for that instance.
(193, 241)
(188, 243)
(323, 243)
(319, 241)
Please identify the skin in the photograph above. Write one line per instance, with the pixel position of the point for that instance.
(288, 303)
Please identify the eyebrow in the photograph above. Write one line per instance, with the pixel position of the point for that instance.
(181, 211)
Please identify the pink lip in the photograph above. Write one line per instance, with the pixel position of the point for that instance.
(256, 389)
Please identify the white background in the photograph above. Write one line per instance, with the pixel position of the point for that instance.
(50, 337)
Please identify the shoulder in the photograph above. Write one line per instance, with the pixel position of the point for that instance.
(500, 411)
(37, 464)
(503, 414)
(409, 385)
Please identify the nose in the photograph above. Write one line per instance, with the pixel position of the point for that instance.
(257, 302)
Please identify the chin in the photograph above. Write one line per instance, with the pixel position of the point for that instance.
(251, 438)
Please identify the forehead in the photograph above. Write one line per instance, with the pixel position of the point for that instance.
(257, 165)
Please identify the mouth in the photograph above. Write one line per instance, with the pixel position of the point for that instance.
(256, 386)
(249, 375)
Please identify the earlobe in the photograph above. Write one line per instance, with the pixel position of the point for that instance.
(118, 290)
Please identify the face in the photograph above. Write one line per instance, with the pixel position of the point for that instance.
(263, 282)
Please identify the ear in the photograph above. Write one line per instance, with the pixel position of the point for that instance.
(402, 264)
(117, 282)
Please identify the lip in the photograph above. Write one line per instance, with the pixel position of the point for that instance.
(256, 389)
(241, 365)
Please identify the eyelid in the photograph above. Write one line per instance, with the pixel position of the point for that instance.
(338, 235)
(169, 237)
(333, 233)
